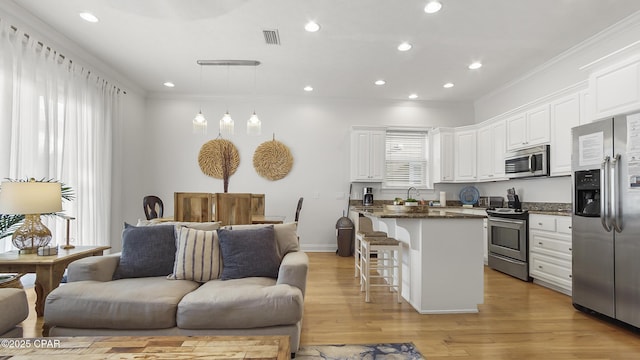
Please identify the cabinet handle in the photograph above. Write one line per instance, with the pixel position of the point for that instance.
(540, 243)
(570, 276)
(569, 226)
(539, 266)
(540, 223)
(570, 249)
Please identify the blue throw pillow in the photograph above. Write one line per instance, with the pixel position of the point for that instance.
(146, 251)
(247, 253)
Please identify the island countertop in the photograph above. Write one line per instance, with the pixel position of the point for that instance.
(431, 214)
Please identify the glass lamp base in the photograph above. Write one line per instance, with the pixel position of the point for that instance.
(31, 235)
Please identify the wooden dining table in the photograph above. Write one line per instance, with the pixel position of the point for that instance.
(267, 219)
(255, 219)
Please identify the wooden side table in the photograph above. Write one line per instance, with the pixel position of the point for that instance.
(48, 269)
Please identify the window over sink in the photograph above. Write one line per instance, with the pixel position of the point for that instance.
(406, 158)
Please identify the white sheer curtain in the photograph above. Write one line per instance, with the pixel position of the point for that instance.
(56, 123)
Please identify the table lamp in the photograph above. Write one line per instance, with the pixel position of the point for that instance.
(30, 198)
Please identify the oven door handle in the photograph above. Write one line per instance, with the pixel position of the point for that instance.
(516, 222)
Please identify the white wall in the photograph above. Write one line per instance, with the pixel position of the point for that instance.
(129, 178)
(316, 132)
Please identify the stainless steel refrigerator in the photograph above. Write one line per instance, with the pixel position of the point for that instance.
(606, 217)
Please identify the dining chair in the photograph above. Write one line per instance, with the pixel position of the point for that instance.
(153, 207)
(298, 209)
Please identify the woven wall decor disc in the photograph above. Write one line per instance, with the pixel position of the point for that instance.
(211, 156)
(272, 160)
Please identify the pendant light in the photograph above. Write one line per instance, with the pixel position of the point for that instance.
(200, 122)
(226, 123)
(254, 125)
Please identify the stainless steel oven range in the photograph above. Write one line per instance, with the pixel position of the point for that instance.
(508, 241)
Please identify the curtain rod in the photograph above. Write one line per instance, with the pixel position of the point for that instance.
(61, 57)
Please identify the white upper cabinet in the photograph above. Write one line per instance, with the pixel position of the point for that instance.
(565, 114)
(465, 155)
(615, 90)
(442, 158)
(529, 128)
(367, 154)
(491, 149)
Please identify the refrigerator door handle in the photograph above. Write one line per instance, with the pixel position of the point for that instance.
(604, 193)
(616, 219)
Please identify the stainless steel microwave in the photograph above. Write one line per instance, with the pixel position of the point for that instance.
(528, 162)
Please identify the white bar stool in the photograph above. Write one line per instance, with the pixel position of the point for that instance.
(357, 248)
(386, 265)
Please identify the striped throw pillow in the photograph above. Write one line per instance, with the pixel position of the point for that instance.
(197, 255)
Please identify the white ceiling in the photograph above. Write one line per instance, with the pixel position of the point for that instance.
(153, 41)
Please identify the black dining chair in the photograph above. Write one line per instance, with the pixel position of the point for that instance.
(153, 207)
(298, 209)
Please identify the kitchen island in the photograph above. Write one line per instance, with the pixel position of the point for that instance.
(443, 268)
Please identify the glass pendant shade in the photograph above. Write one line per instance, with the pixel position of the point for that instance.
(254, 125)
(31, 199)
(226, 124)
(199, 123)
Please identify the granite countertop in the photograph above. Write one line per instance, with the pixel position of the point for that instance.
(550, 212)
(431, 214)
(555, 209)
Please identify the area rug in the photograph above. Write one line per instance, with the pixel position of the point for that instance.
(353, 352)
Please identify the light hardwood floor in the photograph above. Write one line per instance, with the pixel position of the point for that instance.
(518, 320)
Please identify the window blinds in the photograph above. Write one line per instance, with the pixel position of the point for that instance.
(406, 154)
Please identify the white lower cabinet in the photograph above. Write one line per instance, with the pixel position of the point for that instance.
(550, 251)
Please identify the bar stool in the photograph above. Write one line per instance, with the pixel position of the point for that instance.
(357, 248)
(386, 265)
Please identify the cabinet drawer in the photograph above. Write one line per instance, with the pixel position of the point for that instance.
(550, 244)
(564, 224)
(553, 271)
(542, 222)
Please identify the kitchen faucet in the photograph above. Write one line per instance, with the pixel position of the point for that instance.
(409, 192)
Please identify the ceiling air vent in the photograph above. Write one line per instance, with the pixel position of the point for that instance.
(271, 37)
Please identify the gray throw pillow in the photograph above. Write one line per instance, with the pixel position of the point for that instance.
(247, 253)
(146, 251)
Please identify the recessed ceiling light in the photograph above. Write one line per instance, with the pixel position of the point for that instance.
(87, 16)
(308, 88)
(404, 46)
(380, 82)
(475, 65)
(447, 85)
(413, 96)
(169, 84)
(312, 26)
(432, 7)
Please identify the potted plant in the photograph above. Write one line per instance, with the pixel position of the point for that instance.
(411, 202)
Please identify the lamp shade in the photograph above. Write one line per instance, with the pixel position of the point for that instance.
(30, 197)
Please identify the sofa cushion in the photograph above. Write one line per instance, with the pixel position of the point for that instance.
(146, 251)
(286, 235)
(197, 255)
(139, 303)
(14, 308)
(249, 252)
(240, 304)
